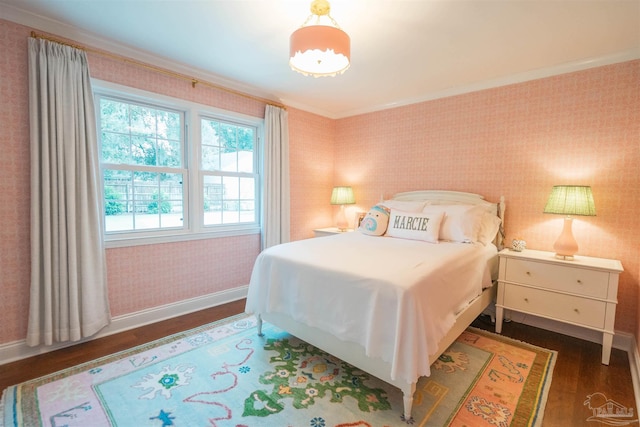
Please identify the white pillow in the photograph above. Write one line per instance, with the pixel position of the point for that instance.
(404, 205)
(461, 223)
(415, 225)
(489, 226)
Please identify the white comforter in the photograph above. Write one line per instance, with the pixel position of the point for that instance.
(395, 297)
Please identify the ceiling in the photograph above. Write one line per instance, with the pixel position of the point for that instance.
(402, 51)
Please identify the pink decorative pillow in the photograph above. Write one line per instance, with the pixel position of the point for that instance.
(415, 225)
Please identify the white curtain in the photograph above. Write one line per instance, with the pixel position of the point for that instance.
(68, 268)
(276, 215)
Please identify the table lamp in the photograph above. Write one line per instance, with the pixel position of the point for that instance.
(342, 196)
(569, 200)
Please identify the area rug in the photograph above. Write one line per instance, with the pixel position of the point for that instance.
(224, 375)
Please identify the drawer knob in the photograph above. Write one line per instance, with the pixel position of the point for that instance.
(528, 273)
(526, 300)
(580, 281)
(576, 310)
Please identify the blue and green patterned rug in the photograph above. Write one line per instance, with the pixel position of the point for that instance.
(224, 375)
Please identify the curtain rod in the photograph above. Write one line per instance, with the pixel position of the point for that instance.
(193, 80)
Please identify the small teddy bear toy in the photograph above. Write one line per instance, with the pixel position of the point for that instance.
(375, 221)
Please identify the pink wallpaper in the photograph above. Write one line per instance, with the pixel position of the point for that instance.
(515, 141)
(139, 277)
(312, 140)
(14, 183)
(518, 141)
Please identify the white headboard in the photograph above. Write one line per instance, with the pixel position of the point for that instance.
(457, 197)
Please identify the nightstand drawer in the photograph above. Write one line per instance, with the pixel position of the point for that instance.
(558, 277)
(582, 311)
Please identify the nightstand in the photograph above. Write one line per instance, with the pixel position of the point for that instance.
(582, 292)
(322, 232)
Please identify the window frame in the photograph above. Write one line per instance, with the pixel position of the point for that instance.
(254, 174)
(193, 207)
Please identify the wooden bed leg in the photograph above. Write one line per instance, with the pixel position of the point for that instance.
(259, 325)
(407, 398)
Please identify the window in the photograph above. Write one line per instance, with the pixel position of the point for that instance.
(162, 182)
(142, 166)
(229, 172)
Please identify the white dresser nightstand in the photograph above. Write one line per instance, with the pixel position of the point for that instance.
(582, 292)
(322, 232)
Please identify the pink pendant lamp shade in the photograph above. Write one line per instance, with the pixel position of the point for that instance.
(320, 49)
(569, 200)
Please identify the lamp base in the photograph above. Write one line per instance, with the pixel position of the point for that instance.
(341, 220)
(565, 257)
(566, 246)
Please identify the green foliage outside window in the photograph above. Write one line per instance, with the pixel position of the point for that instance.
(159, 199)
(113, 204)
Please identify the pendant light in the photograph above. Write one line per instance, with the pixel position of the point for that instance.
(319, 47)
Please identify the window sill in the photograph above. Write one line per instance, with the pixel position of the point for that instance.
(114, 242)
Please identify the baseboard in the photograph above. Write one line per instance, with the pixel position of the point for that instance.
(17, 350)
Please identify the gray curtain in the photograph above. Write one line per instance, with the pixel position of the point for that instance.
(276, 224)
(68, 270)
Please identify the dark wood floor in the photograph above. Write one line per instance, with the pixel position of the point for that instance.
(578, 371)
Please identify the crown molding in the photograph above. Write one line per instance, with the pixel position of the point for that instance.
(57, 28)
(541, 73)
(67, 31)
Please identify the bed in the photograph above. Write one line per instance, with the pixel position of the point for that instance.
(381, 303)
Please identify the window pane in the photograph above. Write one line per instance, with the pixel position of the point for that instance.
(143, 120)
(229, 200)
(209, 132)
(146, 211)
(141, 138)
(229, 161)
(143, 151)
(140, 135)
(213, 199)
(231, 188)
(245, 161)
(228, 136)
(247, 200)
(169, 153)
(228, 151)
(118, 200)
(169, 125)
(158, 198)
(168, 202)
(227, 147)
(210, 158)
(114, 116)
(115, 148)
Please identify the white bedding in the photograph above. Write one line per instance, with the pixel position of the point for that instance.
(395, 297)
